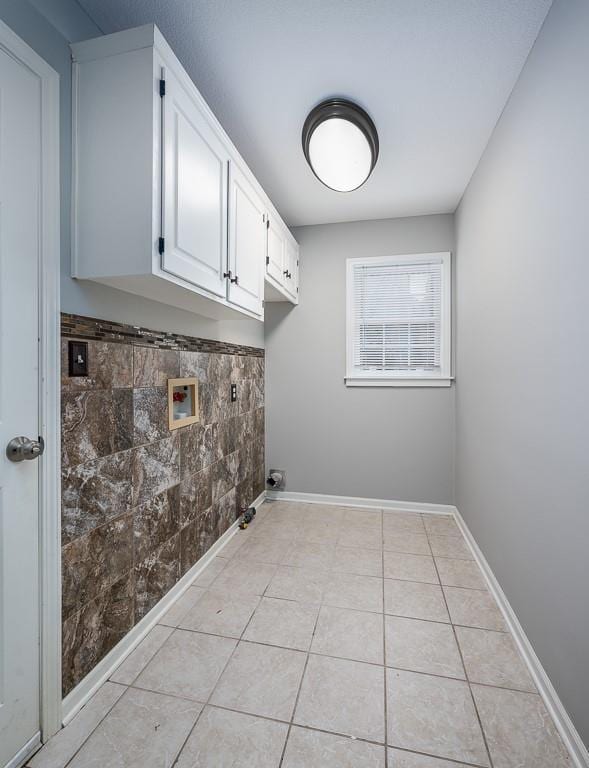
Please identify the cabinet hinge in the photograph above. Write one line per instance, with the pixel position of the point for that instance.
(162, 87)
(160, 245)
(268, 223)
(267, 260)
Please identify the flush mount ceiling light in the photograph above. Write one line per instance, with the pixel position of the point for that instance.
(340, 143)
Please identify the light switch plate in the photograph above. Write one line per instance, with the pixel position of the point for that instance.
(78, 358)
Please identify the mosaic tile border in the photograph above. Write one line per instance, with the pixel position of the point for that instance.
(81, 327)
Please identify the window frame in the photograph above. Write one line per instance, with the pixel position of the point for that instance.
(401, 379)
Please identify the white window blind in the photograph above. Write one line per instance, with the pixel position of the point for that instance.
(397, 317)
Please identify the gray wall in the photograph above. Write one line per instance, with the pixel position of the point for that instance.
(48, 26)
(391, 443)
(522, 372)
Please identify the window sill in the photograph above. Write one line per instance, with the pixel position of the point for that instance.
(437, 381)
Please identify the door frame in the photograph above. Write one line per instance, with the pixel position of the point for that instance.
(50, 714)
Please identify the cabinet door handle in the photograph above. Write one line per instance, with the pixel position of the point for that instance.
(287, 274)
(234, 279)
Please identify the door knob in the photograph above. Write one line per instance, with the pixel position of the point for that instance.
(24, 449)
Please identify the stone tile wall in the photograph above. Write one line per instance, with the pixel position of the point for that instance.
(141, 504)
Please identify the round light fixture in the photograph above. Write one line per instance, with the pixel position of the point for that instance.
(340, 143)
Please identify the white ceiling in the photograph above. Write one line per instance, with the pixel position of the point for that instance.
(433, 74)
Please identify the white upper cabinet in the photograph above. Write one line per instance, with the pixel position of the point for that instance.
(296, 270)
(291, 268)
(247, 243)
(163, 204)
(195, 190)
(276, 249)
(281, 262)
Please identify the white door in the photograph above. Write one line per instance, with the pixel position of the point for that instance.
(195, 193)
(276, 250)
(20, 237)
(247, 243)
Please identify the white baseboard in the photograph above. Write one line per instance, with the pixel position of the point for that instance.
(76, 699)
(568, 733)
(23, 754)
(357, 501)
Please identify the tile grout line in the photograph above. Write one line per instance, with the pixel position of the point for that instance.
(437, 758)
(384, 653)
(368, 576)
(483, 734)
(294, 709)
(322, 655)
(132, 684)
(237, 642)
(374, 613)
(126, 687)
(339, 734)
(314, 729)
(363, 575)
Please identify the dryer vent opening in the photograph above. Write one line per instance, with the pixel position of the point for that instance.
(276, 479)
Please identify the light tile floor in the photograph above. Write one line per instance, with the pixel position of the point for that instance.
(323, 636)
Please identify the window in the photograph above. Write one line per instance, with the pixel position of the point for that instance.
(399, 321)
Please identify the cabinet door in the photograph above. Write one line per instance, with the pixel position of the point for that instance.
(276, 260)
(194, 193)
(295, 271)
(290, 269)
(247, 243)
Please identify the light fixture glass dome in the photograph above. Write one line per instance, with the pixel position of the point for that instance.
(340, 143)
